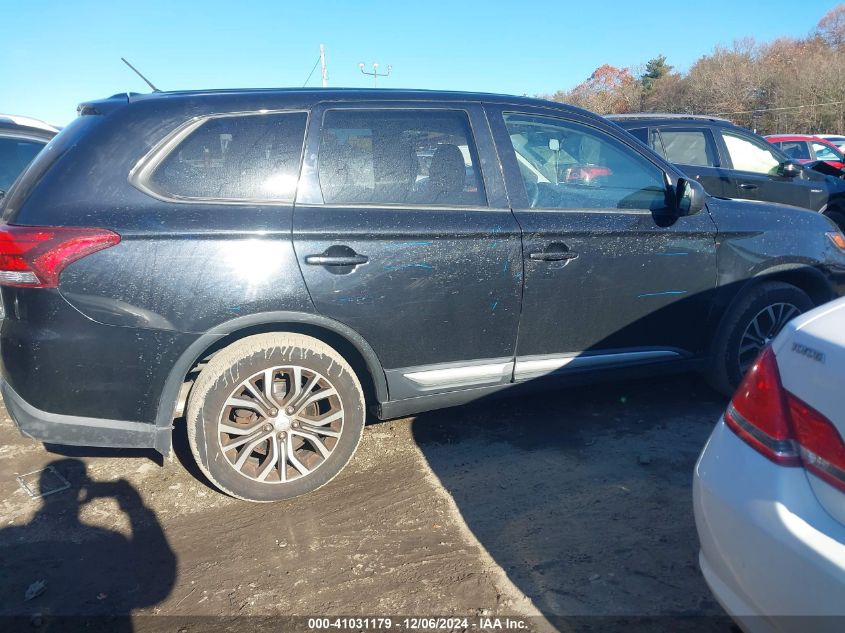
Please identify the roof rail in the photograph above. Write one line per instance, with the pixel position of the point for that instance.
(666, 115)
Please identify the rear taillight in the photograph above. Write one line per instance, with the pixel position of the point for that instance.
(35, 256)
(782, 427)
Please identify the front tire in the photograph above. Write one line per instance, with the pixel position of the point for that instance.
(275, 416)
(750, 324)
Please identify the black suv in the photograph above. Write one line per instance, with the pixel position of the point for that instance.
(268, 262)
(732, 162)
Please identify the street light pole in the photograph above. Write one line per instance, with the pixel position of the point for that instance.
(375, 74)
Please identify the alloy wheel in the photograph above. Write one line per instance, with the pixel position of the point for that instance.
(280, 424)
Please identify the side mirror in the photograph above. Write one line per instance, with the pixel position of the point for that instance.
(690, 196)
(790, 169)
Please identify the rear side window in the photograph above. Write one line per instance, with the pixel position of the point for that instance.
(252, 157)
(796, 150)
(15, 155)
(689, 147)
(411, 157)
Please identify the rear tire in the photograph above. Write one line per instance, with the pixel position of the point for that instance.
(753, 321)
(275, 416)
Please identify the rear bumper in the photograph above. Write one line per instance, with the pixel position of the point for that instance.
(54, 428)
(771, 554)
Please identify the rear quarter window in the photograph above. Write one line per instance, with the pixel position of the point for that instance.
(254, 157)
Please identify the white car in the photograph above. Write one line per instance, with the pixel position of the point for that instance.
(769, 487)
(836, 139)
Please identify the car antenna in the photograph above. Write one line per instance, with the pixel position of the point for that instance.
(138, 72)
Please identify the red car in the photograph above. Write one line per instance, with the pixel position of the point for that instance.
(805, 148)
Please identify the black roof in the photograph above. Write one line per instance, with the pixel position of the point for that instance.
(232, 97)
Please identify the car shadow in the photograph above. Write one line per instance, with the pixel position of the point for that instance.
(583, 496)
(62, 573)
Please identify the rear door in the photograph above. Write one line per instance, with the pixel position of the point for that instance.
(403, 233)
(609, 279)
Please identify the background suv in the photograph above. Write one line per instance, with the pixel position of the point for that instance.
(278, 259)
(21, 138)
(732, 162)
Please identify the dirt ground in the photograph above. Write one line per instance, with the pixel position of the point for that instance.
(568, 510)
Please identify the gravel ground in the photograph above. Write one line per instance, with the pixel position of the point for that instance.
(567, 510)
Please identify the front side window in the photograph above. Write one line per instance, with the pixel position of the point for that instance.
(689, 147)
(796, 150)
(746, 155)
(824, 152)
(15, 155)
(253, 157)
(566, 165)
(403, 157)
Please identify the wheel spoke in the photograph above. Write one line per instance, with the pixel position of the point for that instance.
(319, 430)
(259, 397)
(296, 400)
(271, 461)
(315, 441)
(283, 459)
(292, 458)
(326, 419)
(246, 451)
(268, 386)
(320, 395)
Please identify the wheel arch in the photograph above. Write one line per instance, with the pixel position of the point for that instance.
(348, 343)
(803, 276)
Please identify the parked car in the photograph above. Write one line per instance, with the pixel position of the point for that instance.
(769, 487)
(273, 259)
(836, 139)
(732, 162)
(21, 138)
(807, 149)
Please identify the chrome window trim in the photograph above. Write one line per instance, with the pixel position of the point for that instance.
(139, 175)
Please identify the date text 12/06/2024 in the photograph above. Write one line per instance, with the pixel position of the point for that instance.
(419, 623)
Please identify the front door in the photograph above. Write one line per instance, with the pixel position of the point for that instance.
(610, 278)
(403, 232)
(756, 172)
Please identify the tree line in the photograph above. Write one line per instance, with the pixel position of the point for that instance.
(785, 86)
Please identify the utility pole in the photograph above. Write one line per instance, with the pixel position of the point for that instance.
(324, 71)
(375, 74)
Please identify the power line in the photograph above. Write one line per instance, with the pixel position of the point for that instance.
(312, 72)
(812, 105)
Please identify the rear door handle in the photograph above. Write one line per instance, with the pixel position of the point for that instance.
(555, 252)
(328, 260)
(747, 185)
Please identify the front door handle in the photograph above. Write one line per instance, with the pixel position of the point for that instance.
(747, 185)
(337, 256)
(556, 252)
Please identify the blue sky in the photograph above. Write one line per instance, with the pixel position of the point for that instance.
(54, 54)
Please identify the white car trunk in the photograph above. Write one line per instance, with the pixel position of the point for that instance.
(811, 359)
